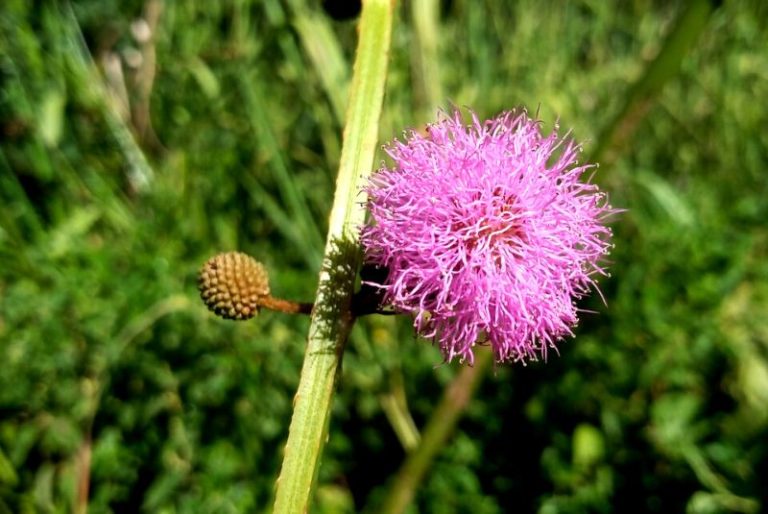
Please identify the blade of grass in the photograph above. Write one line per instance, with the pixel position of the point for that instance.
(688, 27)
(254, 97)
(324, 52)
(439, 428)
(425, 59)
(332, 319)
(282, 220)
(140, 172)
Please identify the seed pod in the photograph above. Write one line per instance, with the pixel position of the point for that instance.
(233, 284)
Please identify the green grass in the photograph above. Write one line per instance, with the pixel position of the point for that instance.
(658, 405)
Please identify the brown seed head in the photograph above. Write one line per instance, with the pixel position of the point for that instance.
(233, 284)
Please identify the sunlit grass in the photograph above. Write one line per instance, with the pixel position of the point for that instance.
(668, 381)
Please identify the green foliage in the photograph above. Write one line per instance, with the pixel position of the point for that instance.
(126, 162)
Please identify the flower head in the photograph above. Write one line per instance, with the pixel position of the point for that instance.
(233, 285)
(487, 234)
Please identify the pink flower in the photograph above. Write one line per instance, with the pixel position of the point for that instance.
(487, 235)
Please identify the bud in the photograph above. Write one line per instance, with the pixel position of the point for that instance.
(233, 285)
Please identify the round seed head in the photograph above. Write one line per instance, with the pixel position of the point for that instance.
(233, 284)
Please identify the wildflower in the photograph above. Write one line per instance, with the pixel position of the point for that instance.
(233, 285)
(487, 235)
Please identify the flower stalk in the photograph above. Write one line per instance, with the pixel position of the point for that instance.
(332, 315)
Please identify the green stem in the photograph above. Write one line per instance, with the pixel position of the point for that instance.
(439, 428)
(425, 56)
(681, 39)
(332, 316)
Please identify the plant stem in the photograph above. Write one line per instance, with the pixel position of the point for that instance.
(439, 427)
(332, 316)
(681, 39)
(286, 306)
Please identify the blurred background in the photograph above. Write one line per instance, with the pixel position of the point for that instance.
(140, 137)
